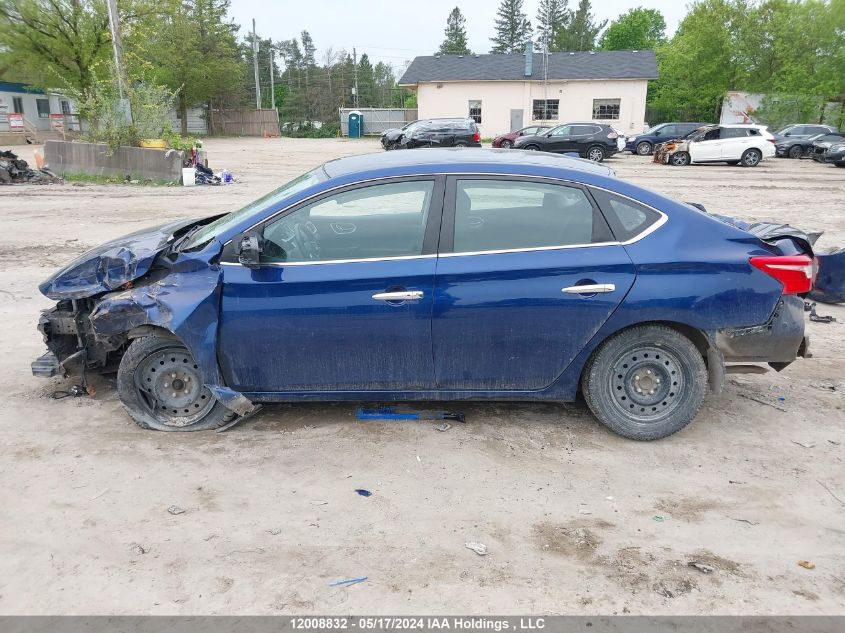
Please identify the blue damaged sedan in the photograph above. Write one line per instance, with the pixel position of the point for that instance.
(433, 275)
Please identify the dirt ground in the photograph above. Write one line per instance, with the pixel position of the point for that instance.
(576, 519)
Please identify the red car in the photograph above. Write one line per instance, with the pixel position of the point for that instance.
(506, 140)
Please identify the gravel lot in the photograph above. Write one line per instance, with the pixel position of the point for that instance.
(577, 520)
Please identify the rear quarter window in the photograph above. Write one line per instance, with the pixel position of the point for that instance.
(627, 218)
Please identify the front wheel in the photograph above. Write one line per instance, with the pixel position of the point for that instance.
(644, 148)
(751, 158)
(506, 144)
(161, 387)
(796, 151)
(533, 148)
(645, 383)
(680, 159)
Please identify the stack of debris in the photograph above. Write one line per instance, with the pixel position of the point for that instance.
(16, 170)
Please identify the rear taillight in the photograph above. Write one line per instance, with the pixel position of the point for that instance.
(476, 138)
(612, 135)
(796, 272)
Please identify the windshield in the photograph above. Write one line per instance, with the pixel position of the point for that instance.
(229, 220)
(783, 131)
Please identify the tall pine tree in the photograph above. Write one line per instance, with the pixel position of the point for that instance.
(513, 28)
(580, 34)
(455, 42)
(553, 17)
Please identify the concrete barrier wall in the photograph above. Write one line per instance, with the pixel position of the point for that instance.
(93, 158)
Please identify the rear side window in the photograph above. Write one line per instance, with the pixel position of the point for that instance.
(627, 219)
(734, 132)
(492, 215)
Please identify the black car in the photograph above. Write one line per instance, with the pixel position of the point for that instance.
(433, 133)
(589, 140)
(803, 130)
(836, 154)
(821, 145)
(644, 144)
(792, 147)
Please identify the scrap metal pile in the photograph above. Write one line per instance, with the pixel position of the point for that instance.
(15, 170)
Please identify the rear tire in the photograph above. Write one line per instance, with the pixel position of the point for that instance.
(161, 388)
(596, 153)
(644, 148)
(751, 158)
(461, 144)
(680, 159)
(645, 383)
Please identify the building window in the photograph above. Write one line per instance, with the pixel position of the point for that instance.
(17, 105)
(606, 109)
(65, 106)
(546, 109)
(43, 106)
(475, 111)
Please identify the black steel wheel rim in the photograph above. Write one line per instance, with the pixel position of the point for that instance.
(647, 384)
(169, 383)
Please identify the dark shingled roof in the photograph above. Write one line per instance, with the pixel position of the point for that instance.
(562, 66)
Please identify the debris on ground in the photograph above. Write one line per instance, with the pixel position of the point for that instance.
(817, 318)
(830, 492)
(478, 548)
(347, 582)
(745, 521)
(806, 564)
(138, 549)
(15, 170)
(393, 413)
(769, 404)
(658, 518)
(443, 427)
(804, 444)
(175, 510)
(363, 492)
(704, 569)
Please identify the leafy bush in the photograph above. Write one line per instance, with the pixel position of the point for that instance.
(306, 130)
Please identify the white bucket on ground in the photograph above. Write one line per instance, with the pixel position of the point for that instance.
(189, 175)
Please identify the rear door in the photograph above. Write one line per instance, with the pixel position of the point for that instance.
(528, 272)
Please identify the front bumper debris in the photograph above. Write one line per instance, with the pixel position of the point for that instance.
(46, 366)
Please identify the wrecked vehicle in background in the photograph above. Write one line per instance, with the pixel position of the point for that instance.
(738, 144)
(411, 276)
(433, 133)
(14, 169)
(792, 147)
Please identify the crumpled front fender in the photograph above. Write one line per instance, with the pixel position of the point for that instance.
(184, 300)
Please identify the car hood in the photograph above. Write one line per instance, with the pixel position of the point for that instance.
(111, 265)
(392, 134)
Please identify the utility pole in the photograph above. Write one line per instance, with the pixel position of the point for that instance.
(355, 67)
(272, 72)
(117, 48)
(254, 65)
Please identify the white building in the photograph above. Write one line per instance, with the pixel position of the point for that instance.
(506, 92)
(36, 107)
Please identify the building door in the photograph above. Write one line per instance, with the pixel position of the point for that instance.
(516, 120)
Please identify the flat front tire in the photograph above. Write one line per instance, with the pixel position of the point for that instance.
(645, 383)
(161, 387)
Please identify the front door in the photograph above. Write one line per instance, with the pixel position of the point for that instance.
(560, 139)
(342, 298)
(708, 148)
(527, 274)
(516, 120)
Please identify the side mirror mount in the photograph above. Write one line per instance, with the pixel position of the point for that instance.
(249, 250)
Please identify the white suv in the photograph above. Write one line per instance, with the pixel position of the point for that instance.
(740, 144)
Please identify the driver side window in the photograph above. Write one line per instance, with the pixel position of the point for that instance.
(377, 221)
(563, 130)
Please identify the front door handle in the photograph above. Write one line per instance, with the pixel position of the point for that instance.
(588, 289)
(403, 295)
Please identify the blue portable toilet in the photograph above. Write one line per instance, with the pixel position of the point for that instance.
(356, 124)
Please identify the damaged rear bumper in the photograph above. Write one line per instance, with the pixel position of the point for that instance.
(777, 342)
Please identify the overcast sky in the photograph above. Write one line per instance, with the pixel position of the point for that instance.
(395, 31)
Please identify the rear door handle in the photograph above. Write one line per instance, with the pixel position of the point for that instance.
(404, 295)
(588, 289)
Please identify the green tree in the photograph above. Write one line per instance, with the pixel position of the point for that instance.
(637, 29)
(455, 41)
(513, 28)
(552, 18)
(580, 34)
(192, 49)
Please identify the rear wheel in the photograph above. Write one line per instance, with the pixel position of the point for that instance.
(645, 383)
(644, 148)
(506, 144)
(161, 387)
(596, 153)
(751, 158)
(796, 151)
(680, 159)
(461, 144)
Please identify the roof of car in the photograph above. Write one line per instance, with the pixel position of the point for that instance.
(434, 160)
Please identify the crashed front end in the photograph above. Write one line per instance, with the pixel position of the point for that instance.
(133, 287)
(663, 152)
